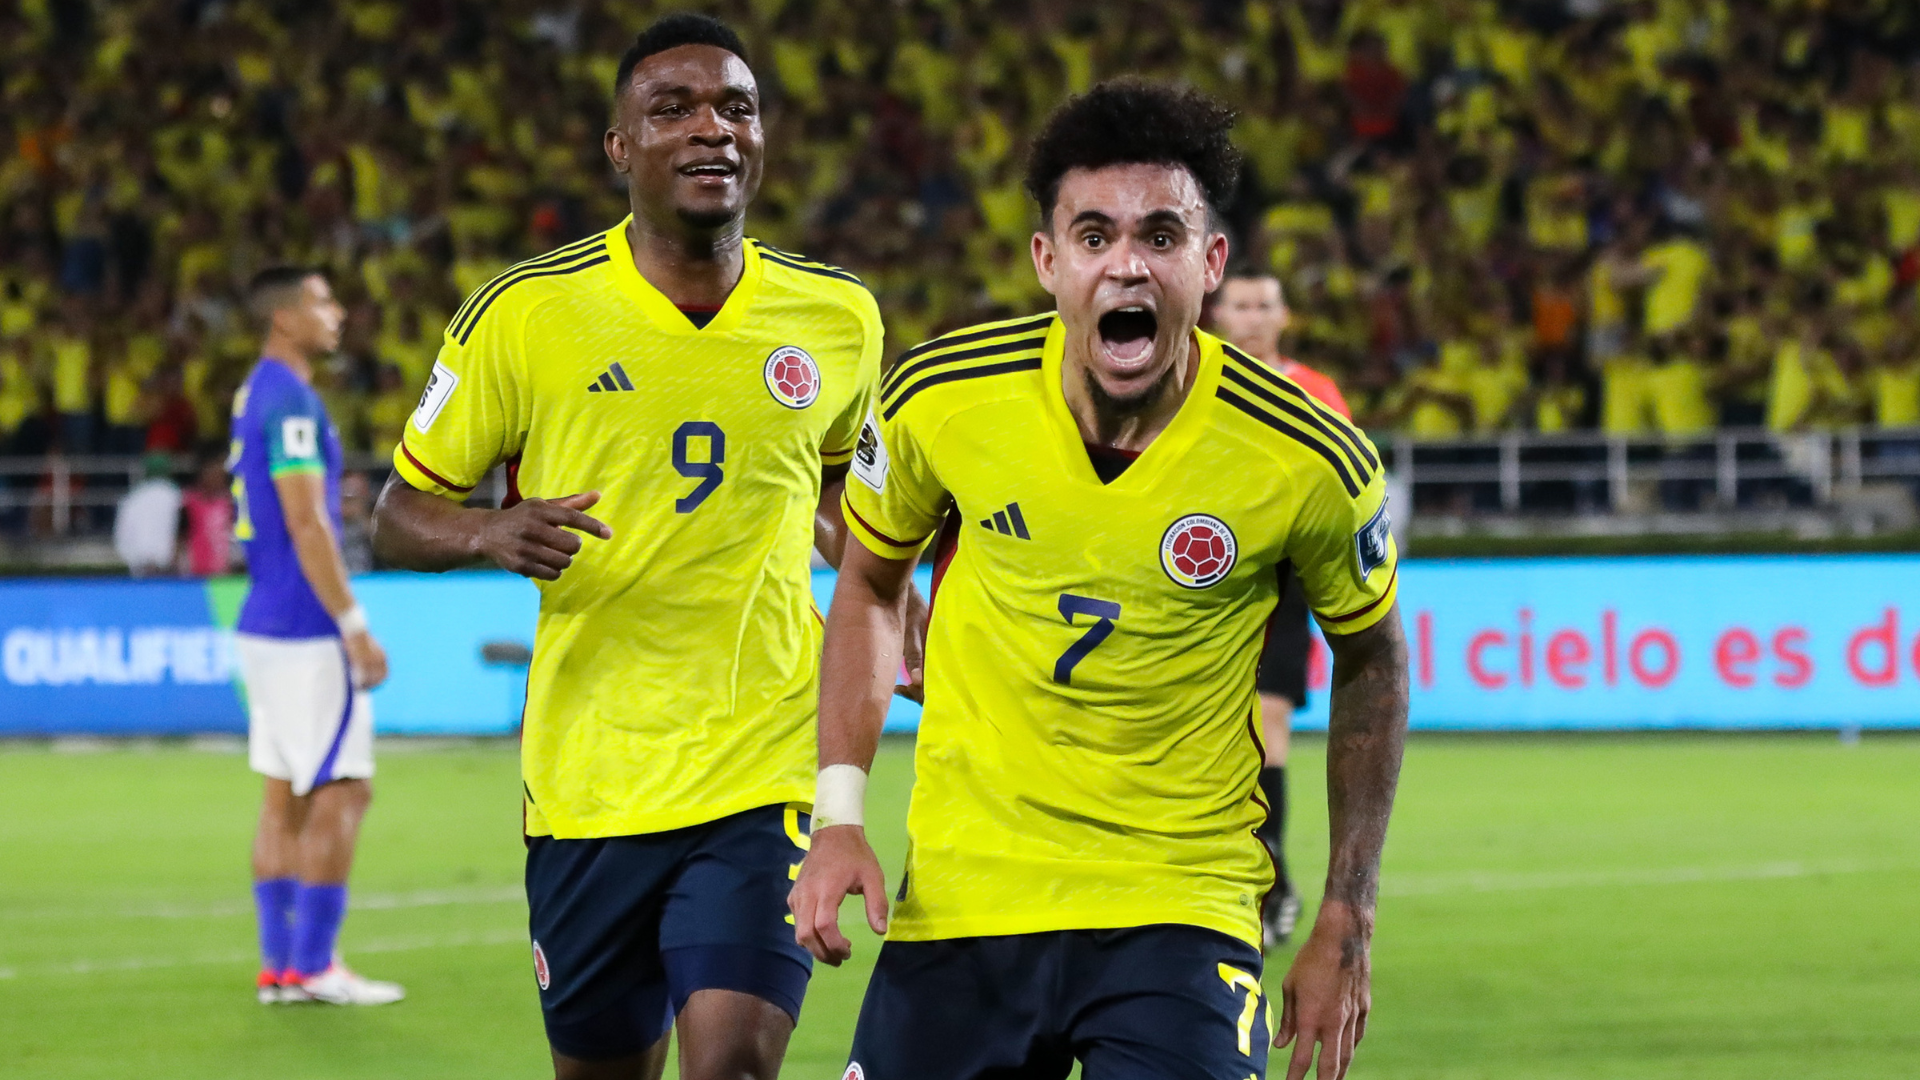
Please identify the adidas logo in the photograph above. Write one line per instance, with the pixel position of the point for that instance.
(1007, 522)
(614, 378)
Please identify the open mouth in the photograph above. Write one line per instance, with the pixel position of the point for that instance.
(710, 170)
(1128, 333)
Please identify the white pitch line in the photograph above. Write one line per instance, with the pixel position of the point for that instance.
(1436, 884)
(1394, 885)
(238, 956)
(497, 894)
(500, 894)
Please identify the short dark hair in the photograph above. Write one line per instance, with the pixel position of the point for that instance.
(1241, 270)
(271, 289)
(1132, 121)
(673, 31)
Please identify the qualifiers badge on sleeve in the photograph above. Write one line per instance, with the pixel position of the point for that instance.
(1370, 543)
(792, 377)
(440, 386)
(1197, 551)
(870, 456)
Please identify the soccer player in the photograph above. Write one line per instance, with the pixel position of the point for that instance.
(1119, 491)
(305, 653)
(1250, 313)
(702, 393)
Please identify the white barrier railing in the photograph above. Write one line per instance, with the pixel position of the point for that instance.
(1727, 469)
(1514, 472)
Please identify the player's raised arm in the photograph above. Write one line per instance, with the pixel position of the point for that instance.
(862, 653)
(417, 530)
(1327, 993)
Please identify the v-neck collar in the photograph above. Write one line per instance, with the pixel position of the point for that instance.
(1167, 447)
(660, 310)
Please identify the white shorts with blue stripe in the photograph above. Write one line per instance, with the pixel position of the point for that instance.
(306, 723)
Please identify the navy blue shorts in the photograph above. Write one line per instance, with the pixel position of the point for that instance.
(627, 928)
(1164, 1002)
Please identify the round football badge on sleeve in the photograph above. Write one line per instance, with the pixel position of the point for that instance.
(1197, 551)
(792, 377)
(540, 971)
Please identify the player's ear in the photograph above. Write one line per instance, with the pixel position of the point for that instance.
(1043, 259)
(1216, 260)
(616, 146)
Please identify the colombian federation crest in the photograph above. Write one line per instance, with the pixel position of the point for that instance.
(792, 377)
(540, 971)
(1197, 551)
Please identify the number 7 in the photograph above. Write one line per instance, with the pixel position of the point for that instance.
(1103, 611)
(1240, 980)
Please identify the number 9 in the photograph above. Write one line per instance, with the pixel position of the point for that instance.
(708, 472)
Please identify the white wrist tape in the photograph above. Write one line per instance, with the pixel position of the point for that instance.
(351, 621)
(840, 797)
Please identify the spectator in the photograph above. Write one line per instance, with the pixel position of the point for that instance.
(123, 398)
(1612, 165)
(71, 357)
(1376, 90)
(1896, 384)
(147, 521)
(1672, 269)
(356, 522)
(207, 509)
(387, 413)
(19, 397)
(173, 428)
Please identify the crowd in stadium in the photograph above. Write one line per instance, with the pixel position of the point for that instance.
(1654, 216)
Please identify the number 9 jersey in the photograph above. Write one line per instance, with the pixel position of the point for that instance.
(675, 666)
(1088, 753)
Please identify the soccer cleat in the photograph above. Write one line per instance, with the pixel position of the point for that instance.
(267, 988)
(340, 985)
(1279, 919)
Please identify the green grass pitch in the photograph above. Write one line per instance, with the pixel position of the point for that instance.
(1679, 906)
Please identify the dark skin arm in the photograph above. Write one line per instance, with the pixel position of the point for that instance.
(1327, 993)
(416, 530)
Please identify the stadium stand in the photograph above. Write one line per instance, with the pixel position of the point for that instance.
(1651, 221)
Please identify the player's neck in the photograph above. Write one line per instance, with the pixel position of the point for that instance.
(1270, 355)
(691, 268)
(290, 354)
(1133, 429)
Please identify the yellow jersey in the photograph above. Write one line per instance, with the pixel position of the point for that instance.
(675, 666)
(1671, 299)
(1677, 391)
(1088, 753)
(72, 374)
(1626, 395)
(1896, 395)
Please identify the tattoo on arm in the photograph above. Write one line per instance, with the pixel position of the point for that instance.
(1365, 741)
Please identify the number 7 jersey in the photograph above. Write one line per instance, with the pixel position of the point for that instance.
(675, 666)
(1088, 755)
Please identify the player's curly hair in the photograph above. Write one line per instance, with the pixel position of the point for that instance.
(1127, 121)
(673, 31)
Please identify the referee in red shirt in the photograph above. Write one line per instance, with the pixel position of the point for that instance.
(1251, 312)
